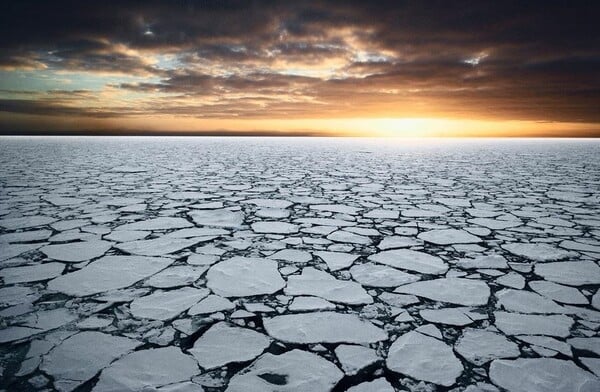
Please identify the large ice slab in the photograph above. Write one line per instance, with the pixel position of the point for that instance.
(218, 218)
(273, 227)
(269, 203)
(147, 369)
(533, 324)
(538, 252)
(292, 371)
(223, 344)
(479, 346)
(424, 358)
(354, 358)
(323, 327)
(459, 316)
(449, 237)
(375, 275)
(526, 302)
(180, 275)
(321, 284)
(75, 252)
(542, 375)
(81, 356)
(31, 273)
(337, 260)
(411, 260)
(161, 223)
(167, 304)
(458, 291)
(157, 246)
(244, 276)
(26, 222)
(575, 273)
(108, 273)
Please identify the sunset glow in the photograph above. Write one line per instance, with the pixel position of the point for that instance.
(315, 68)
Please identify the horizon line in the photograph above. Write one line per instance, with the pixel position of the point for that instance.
(270, 133)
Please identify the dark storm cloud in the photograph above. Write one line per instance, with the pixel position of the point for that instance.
(34, 107)
(521, 59)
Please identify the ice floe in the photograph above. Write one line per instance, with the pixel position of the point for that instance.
(449, 237)
(79, 357)
(223, 344)
(147, 369)
(75, 252)
(167, 304)
(323, 327)
(412, 353)
(244, 276)
(108, 273)
(411, 260)
(321, 284)
(541, 375)
(292, 371)
(452, 290)
(218, 218)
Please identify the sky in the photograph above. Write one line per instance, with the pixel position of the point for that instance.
(347, 68)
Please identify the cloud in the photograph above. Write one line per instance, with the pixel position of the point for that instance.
(511, 60)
